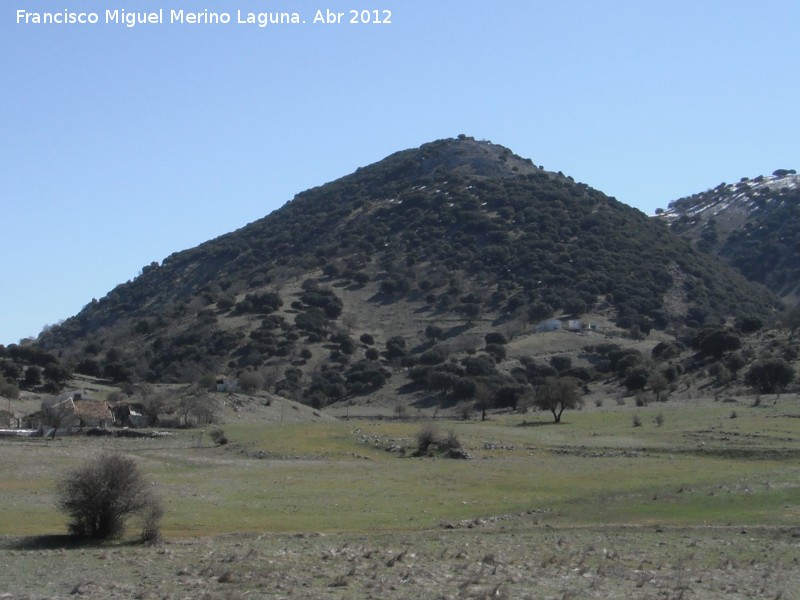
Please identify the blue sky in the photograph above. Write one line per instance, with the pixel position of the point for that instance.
(120, 146)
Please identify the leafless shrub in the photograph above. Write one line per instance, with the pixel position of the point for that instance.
(426, 437)
(451, 442)
(151, 521)
(218, 436)
(465, 410)
(101, 494)
(637, 421)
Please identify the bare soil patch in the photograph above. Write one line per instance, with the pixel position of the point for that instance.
(510, 560)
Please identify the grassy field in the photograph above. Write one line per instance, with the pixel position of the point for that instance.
(714, 486)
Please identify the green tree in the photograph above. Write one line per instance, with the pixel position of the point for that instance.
(561, 363)
(717, 341)
(469, 311)
(769, 375)
(33, 376)
(251, 381)
(658, 383)
(575, 306)
(208, 382)
(538, 312)
(509, 396)
(395, 348)
(558, 394)
(433, 332)
(443, 381)
(749, 324)
(56, 375)
(8, 390)
(637, 378)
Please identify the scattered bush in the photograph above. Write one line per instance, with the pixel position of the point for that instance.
(497, 351)
(495, 337)
(482, 365)
(434, 356)
(434, 332)
(717, 341)
(561, 363)
(667, 350)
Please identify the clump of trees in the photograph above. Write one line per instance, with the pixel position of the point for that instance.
(259, 303)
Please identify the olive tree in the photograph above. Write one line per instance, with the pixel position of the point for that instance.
(100, 495)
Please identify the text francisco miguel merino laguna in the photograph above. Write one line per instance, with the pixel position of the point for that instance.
(161, 16)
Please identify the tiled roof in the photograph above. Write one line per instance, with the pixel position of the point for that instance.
(93, 409)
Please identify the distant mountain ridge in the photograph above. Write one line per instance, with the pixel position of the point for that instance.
(753, 225)
(348, 278)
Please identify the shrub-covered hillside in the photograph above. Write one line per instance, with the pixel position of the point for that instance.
(753, 225)
(326, 294)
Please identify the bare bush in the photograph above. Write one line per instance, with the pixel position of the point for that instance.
(103, 493)
(426, 437)
(218, 436)
(451, 442)
(465, 411)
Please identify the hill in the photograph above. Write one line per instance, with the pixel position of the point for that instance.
(424, 263)
(752, 225)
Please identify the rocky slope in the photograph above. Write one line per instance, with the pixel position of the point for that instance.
(752, 225)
